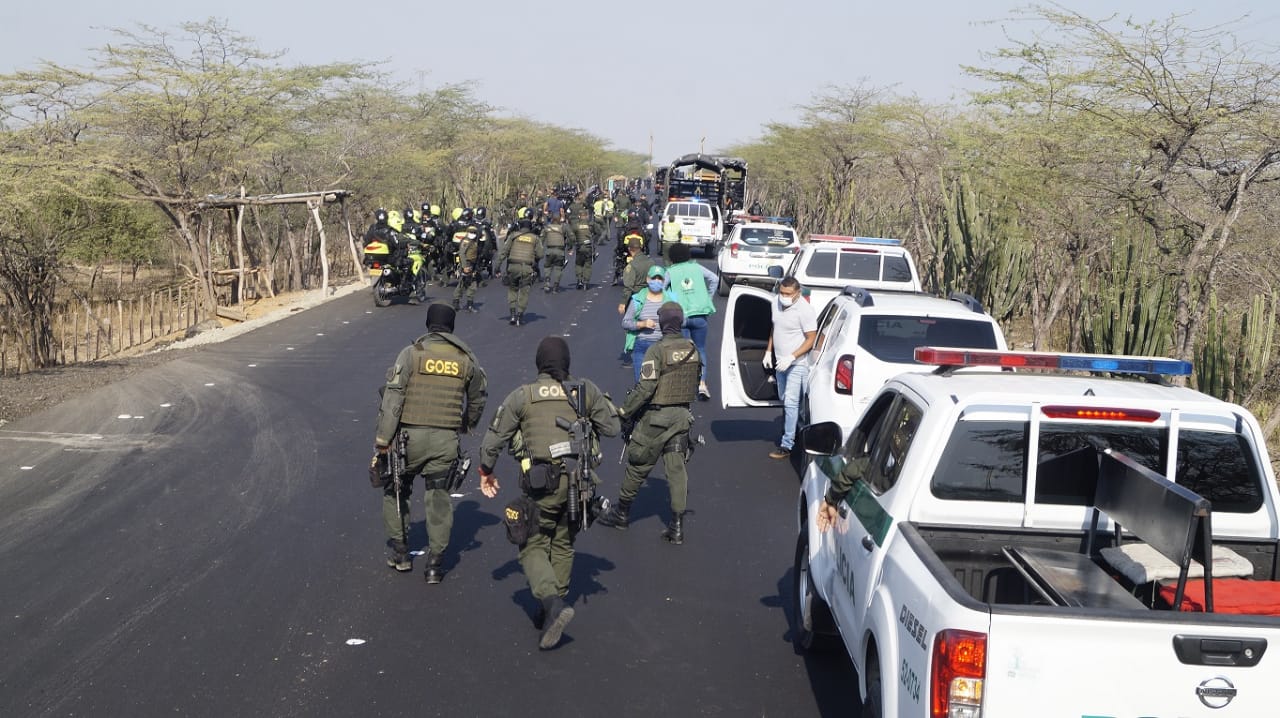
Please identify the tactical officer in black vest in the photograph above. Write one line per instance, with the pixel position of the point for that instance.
(527, 421)
(435, 390)
(659, 405)
(519, 257)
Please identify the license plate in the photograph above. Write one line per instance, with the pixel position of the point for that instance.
(375, 272)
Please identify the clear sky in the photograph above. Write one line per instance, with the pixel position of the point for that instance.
(681, 71)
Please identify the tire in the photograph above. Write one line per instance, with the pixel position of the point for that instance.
(380, 299)
(725, 286)
(813, 617)
(873, 705)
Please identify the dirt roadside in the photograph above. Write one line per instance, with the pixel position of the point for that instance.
(26, 394)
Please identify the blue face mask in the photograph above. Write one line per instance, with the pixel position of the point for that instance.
(656, 285)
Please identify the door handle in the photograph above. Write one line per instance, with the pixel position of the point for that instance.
(867, 543)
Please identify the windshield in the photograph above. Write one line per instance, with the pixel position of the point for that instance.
(895, 338)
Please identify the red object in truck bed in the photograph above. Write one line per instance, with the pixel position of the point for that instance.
(1230, 595)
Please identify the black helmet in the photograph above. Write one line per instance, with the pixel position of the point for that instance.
(467, 214)
(380, 216)
(482, 213)
(410, 213)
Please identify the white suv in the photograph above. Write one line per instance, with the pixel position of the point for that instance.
(828, 263)
(864, 339)
(752, 248)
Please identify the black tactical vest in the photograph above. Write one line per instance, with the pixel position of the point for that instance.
(679, 371)
(546, 402)
(437, 385)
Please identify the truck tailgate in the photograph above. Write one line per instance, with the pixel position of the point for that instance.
(1063, 665)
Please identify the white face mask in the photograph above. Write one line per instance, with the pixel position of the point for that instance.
(786, 301)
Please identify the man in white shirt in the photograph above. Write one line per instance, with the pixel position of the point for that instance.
(795, 326)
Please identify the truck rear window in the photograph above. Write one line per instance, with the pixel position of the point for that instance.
(775, 239)
(894, 339)
(853, 266)
(986, 461)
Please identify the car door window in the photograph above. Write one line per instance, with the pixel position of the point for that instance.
(896, 435)
(862, 440)
(828, 336)
(821, 265)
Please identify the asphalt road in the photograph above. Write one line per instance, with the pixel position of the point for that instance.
(201, 540)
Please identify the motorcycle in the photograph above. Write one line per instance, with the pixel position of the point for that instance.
(397, 271)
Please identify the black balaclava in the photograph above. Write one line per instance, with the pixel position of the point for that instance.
(553, 358)
(670, 318)
(680, 253)
(440, 318)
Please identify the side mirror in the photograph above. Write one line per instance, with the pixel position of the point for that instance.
(824, 439)
(775, 272)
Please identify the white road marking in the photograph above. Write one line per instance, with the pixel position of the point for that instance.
(125, 416)
(319, 334)
(355, 641)
(345, 322)
(457, 496)
(252, 366)
(165, 406)
(288, 349)
(26, 468)
(88, 442)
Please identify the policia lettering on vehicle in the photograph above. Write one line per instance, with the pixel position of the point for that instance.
(519, 259)
(435, 390)
(529, 421)
(659, 407)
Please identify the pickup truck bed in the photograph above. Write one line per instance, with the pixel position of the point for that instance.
(972, 565)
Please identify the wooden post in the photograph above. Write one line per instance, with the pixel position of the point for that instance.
(351, 239)
(240, 248)
(75, 333)
(132, 314)
(314, 205)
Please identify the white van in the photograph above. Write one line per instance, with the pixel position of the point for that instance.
(700, 224)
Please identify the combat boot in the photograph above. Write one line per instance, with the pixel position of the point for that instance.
(618, 515)
(557, 616)
(512, 319)
(434, 572)
(457, 304)
(675, 530)
(519, 319)
(399, 558)
(471, 307)
(546, 289)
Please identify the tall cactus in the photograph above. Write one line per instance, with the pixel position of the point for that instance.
(1127, 306)
(1230, 365)
(978, 250)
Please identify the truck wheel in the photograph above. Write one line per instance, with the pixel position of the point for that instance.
(812, 633)
(873, 706)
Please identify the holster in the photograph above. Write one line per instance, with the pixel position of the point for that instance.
(540, 479)
(458, 473)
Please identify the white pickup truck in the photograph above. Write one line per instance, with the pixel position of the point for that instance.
(1006, 544)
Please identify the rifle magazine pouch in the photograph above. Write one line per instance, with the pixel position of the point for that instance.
(521, 520)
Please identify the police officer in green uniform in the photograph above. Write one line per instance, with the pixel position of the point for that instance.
(527, 419)
(555, 244)
(659, 406)
(435, 390)
(584, 249)
(519, 258)
(468, 256)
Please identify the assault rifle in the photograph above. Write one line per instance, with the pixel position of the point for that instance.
(584, 505)
(397, 458)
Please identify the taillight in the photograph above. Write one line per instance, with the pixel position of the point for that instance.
(955, 680)
(844, 375)
(377, 265)
(733, 249)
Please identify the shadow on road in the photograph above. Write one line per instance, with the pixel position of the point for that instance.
(748, 430)
(832, 678)
(583, 582)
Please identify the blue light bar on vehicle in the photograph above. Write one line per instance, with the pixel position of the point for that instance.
(879, 240)
(1117, 364)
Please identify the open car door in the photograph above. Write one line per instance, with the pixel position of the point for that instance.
(747, 324)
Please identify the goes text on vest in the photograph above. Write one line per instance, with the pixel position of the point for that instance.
(442, 367)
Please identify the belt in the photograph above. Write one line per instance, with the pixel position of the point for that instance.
(668, 406)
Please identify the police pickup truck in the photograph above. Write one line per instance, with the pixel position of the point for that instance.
(1006, 543)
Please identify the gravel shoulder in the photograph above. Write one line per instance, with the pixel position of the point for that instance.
(33, 392)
